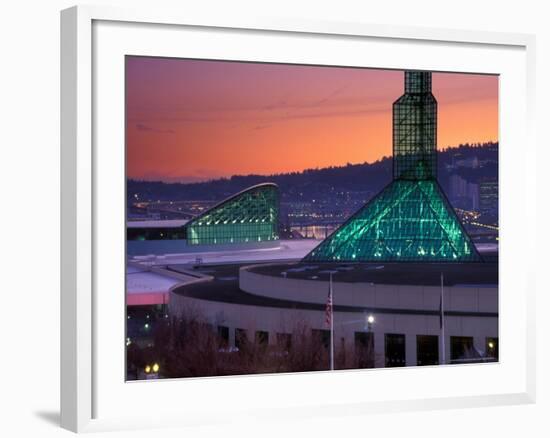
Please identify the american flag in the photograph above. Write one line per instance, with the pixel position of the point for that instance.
(328, 311)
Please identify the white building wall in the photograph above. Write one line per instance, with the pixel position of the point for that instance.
(284, 320)
(457, 298)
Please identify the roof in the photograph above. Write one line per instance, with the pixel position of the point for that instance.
(147, 288)
(224, 288)
(407, 273)
(231, 198)
(291, 249)
(409, 220)
(168, 223)
(288, 249)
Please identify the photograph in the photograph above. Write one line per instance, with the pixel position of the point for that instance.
(287, 218)
(296, 218)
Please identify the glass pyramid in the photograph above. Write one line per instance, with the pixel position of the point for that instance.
(411, 219)
(407, 221)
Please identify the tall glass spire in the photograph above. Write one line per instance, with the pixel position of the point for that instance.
(410, 219)
(415, 129)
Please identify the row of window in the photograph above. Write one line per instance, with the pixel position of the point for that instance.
(427, 349)
(251, 216)
(231, 233)
(260, 338)
(222, 233)
(427, 346)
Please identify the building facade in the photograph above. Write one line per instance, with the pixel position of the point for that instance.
(488, 196)
(411, 218)
(248, 219)
(407, 325)
(249, 216)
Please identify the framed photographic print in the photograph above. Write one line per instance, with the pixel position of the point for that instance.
(256, 209)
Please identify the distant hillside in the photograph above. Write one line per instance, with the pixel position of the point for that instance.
(318, 183)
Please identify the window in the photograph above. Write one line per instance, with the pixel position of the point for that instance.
(427, 350)
(262, 338)
(462, 348)
(241, 338)
(364, 349)
(395, 350)
(223, 335)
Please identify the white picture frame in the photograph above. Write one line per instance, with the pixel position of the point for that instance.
(86, 403)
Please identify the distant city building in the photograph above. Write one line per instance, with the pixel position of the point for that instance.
(488, 196)
(463, 194)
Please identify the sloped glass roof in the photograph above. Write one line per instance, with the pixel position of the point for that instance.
(248, 216)
(410, 220)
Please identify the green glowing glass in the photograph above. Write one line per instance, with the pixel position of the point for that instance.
(249, 216)
(410, 220)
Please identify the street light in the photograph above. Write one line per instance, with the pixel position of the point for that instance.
(151, 371)
(370, 339)
(369, 320)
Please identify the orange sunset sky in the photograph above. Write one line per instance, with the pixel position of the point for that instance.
(191, 120)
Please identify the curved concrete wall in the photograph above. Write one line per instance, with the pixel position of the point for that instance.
(457, 298)
(383, 301)
(346, 324)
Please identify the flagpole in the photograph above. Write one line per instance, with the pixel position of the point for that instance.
(442, 323)
(331, 325)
